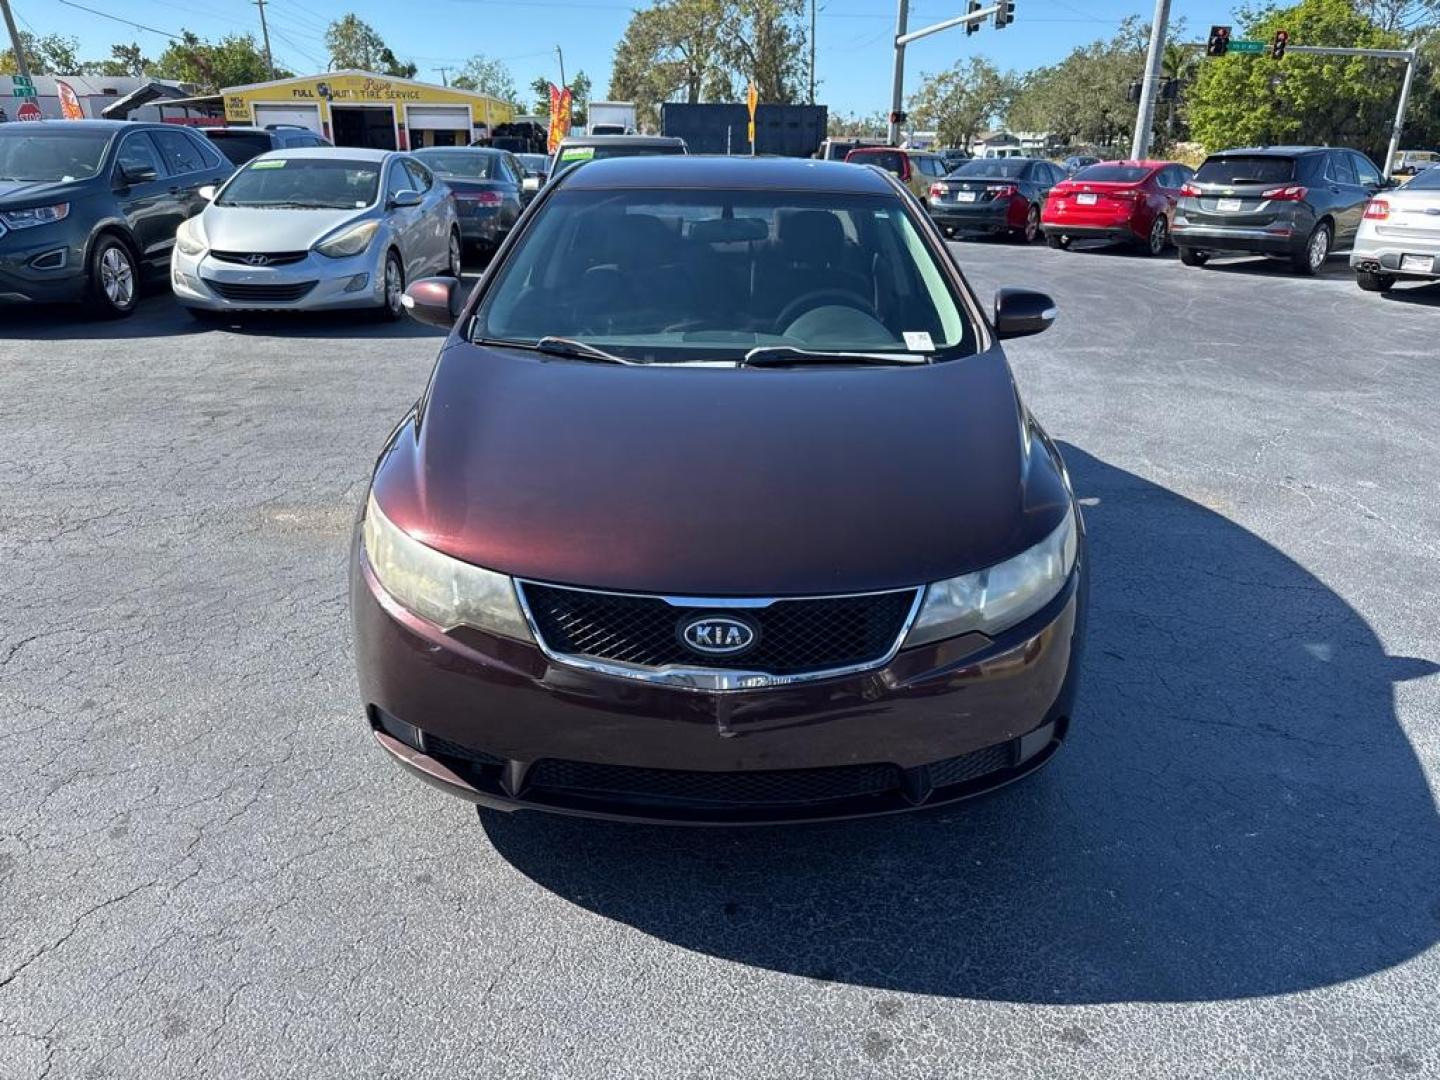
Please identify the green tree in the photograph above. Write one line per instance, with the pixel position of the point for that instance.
(670, 49)
(234, 60)
(486, 76)
(1084, 98)
(961, 102)
(841, 125)
(1180, 64)
(354, 44)
(764, 42)
(49, 54)
(1242, 100)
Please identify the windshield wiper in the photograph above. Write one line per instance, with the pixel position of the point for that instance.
(780, 355)
(575, 349)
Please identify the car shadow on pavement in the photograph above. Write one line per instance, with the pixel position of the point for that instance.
(1336, 267)
(1426, 295)
(1237, 811)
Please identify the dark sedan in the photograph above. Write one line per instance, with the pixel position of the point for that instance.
(720, 506)
(1295, 202)
(487, 186)
(994, 195)
(89, 206)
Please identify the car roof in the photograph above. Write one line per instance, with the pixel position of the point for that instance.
(622, 140)
(110, 126)
(484, 151)
(1134, 163)
(343, 153)
(243, 129)
(1274, 151)
(718, 172)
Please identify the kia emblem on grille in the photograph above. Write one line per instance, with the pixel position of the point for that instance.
(717, 635)
(258, 260)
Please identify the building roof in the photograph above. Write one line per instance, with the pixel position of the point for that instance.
(704, 171)
(352, 72)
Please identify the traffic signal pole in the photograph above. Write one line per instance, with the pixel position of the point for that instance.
(904, 35)
(21, 65)
(1145, 115)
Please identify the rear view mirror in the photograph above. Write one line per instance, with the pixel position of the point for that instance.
(207, 193)
(434, 301)
(1022, 312)
(402, 199)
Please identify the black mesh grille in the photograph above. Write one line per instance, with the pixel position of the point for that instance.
(261, 294)
(957, 770)
(793, 636)
(445, 748)
(769, 787)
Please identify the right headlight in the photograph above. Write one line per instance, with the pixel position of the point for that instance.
(190, 237)
(446, 591)
(999, 596)
(348, 242)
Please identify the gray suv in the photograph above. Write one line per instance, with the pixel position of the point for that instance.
(87, 206)
(1297, 202)
(242, 144)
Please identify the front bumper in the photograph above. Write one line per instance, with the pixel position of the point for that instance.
(41, 265)
(991, 216)
(502, 725)
(356, 282)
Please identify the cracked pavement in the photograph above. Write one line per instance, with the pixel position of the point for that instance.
(1233, 869)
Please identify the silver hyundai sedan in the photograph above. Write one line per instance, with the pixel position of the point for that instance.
(317, 229)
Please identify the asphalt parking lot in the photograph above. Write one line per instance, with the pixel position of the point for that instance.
(1233, 869)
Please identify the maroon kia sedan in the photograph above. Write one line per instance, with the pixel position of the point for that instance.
(720, 506)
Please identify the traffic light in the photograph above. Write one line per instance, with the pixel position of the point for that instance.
(1277, 47)
(1005, 15)
(898, 118)
(971, 27)
(1170, 90)
(1133, 93)
(1219, 41)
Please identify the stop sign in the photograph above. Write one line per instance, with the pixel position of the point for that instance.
(28, 111)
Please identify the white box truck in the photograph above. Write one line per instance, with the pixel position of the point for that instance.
(610, 118)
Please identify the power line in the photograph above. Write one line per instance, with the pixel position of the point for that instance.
(127, 22)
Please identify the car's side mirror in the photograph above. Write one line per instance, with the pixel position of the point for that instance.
(408, 197)
(1022, 312)
(207, 192)
(136, 174)
(434, 301)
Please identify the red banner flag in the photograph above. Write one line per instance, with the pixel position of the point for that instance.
(69, 103)
(560, 105)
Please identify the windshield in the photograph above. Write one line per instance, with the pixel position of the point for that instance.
(992, 168)
(1114, 174)
(321, 183)
(567, 156)
(240, 146)
(50, 156)
(1425, 180)
(535, 164)
(701, 275)
(1243, 169)
(468, 164)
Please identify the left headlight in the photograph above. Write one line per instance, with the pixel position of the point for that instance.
(190, 237)
(348, 242)
(445, 591)
(35, 215)
(999, 596)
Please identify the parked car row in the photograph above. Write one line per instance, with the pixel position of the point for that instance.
(1298, 203)
(249, 219)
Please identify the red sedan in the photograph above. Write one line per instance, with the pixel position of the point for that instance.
(1129, 201)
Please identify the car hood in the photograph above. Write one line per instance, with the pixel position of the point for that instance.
(717, 481)
(34, 192)
(244, 228)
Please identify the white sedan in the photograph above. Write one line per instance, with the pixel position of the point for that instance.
(1399, 235)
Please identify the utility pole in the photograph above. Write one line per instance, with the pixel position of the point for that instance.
(561, 57)
(444, 75)
(21, 64)
(1145, 115)
(812, 52)
(897, 87)
(265, 35)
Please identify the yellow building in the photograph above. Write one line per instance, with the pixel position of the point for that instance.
(361, 108)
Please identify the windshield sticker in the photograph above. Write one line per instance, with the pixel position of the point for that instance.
(919, 341)
(577, 153)
(273, 163)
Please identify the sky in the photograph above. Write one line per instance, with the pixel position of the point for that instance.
(853, 63)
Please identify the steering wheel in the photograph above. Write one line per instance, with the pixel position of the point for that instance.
(814, 298)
